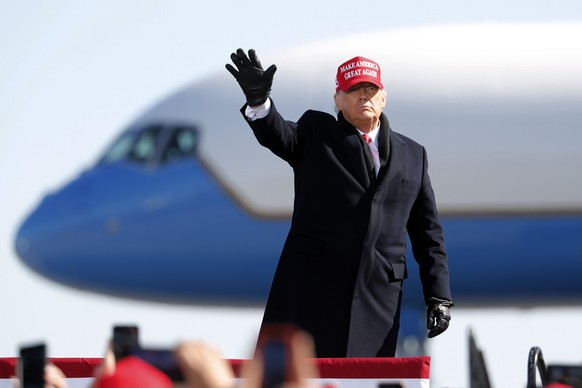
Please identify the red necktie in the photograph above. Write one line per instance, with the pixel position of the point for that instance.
(373, 152)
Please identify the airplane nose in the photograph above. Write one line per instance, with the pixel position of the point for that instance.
(42, 235)
(22, 244)
(39, 230)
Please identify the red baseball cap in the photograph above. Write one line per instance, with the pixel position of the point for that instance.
(356, 70)
(132, 372)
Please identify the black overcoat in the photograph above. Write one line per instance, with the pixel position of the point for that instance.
(342, 266)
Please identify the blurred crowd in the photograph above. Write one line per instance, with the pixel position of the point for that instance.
(201, 366)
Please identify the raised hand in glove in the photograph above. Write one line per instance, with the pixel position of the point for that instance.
(253, 80)
(438, 316)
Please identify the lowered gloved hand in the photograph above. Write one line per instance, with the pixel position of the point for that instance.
(438, 316)
(253, 80)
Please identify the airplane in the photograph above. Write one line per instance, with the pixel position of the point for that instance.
(186, 207)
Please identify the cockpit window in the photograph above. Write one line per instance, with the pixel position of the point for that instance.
(135, 146)
(119, 149)
(182, 143)
(153, 145)
(145, 145)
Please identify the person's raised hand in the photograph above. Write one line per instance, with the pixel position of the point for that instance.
(54, 377)
(301, 367)
(203, 366)
(106, 368)
(254, 81)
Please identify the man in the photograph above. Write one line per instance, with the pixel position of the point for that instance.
(340, 274)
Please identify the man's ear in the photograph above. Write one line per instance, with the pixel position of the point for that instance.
(337, 100)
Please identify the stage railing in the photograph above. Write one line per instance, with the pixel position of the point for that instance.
(407, 372)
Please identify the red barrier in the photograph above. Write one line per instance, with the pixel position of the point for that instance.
(414, 370)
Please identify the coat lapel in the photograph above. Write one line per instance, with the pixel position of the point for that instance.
(391, 147)
(392, 154)
(350, 148)
(384, 141)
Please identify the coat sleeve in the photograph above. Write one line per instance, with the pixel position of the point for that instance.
(277, 134)
(426, 236)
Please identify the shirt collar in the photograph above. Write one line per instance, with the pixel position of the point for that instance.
(373, 133)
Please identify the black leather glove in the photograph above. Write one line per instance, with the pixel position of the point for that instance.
(253, 80)
(438, 316)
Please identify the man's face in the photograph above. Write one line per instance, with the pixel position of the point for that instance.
(361, 105)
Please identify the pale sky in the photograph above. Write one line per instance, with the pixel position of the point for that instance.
(75, 73)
